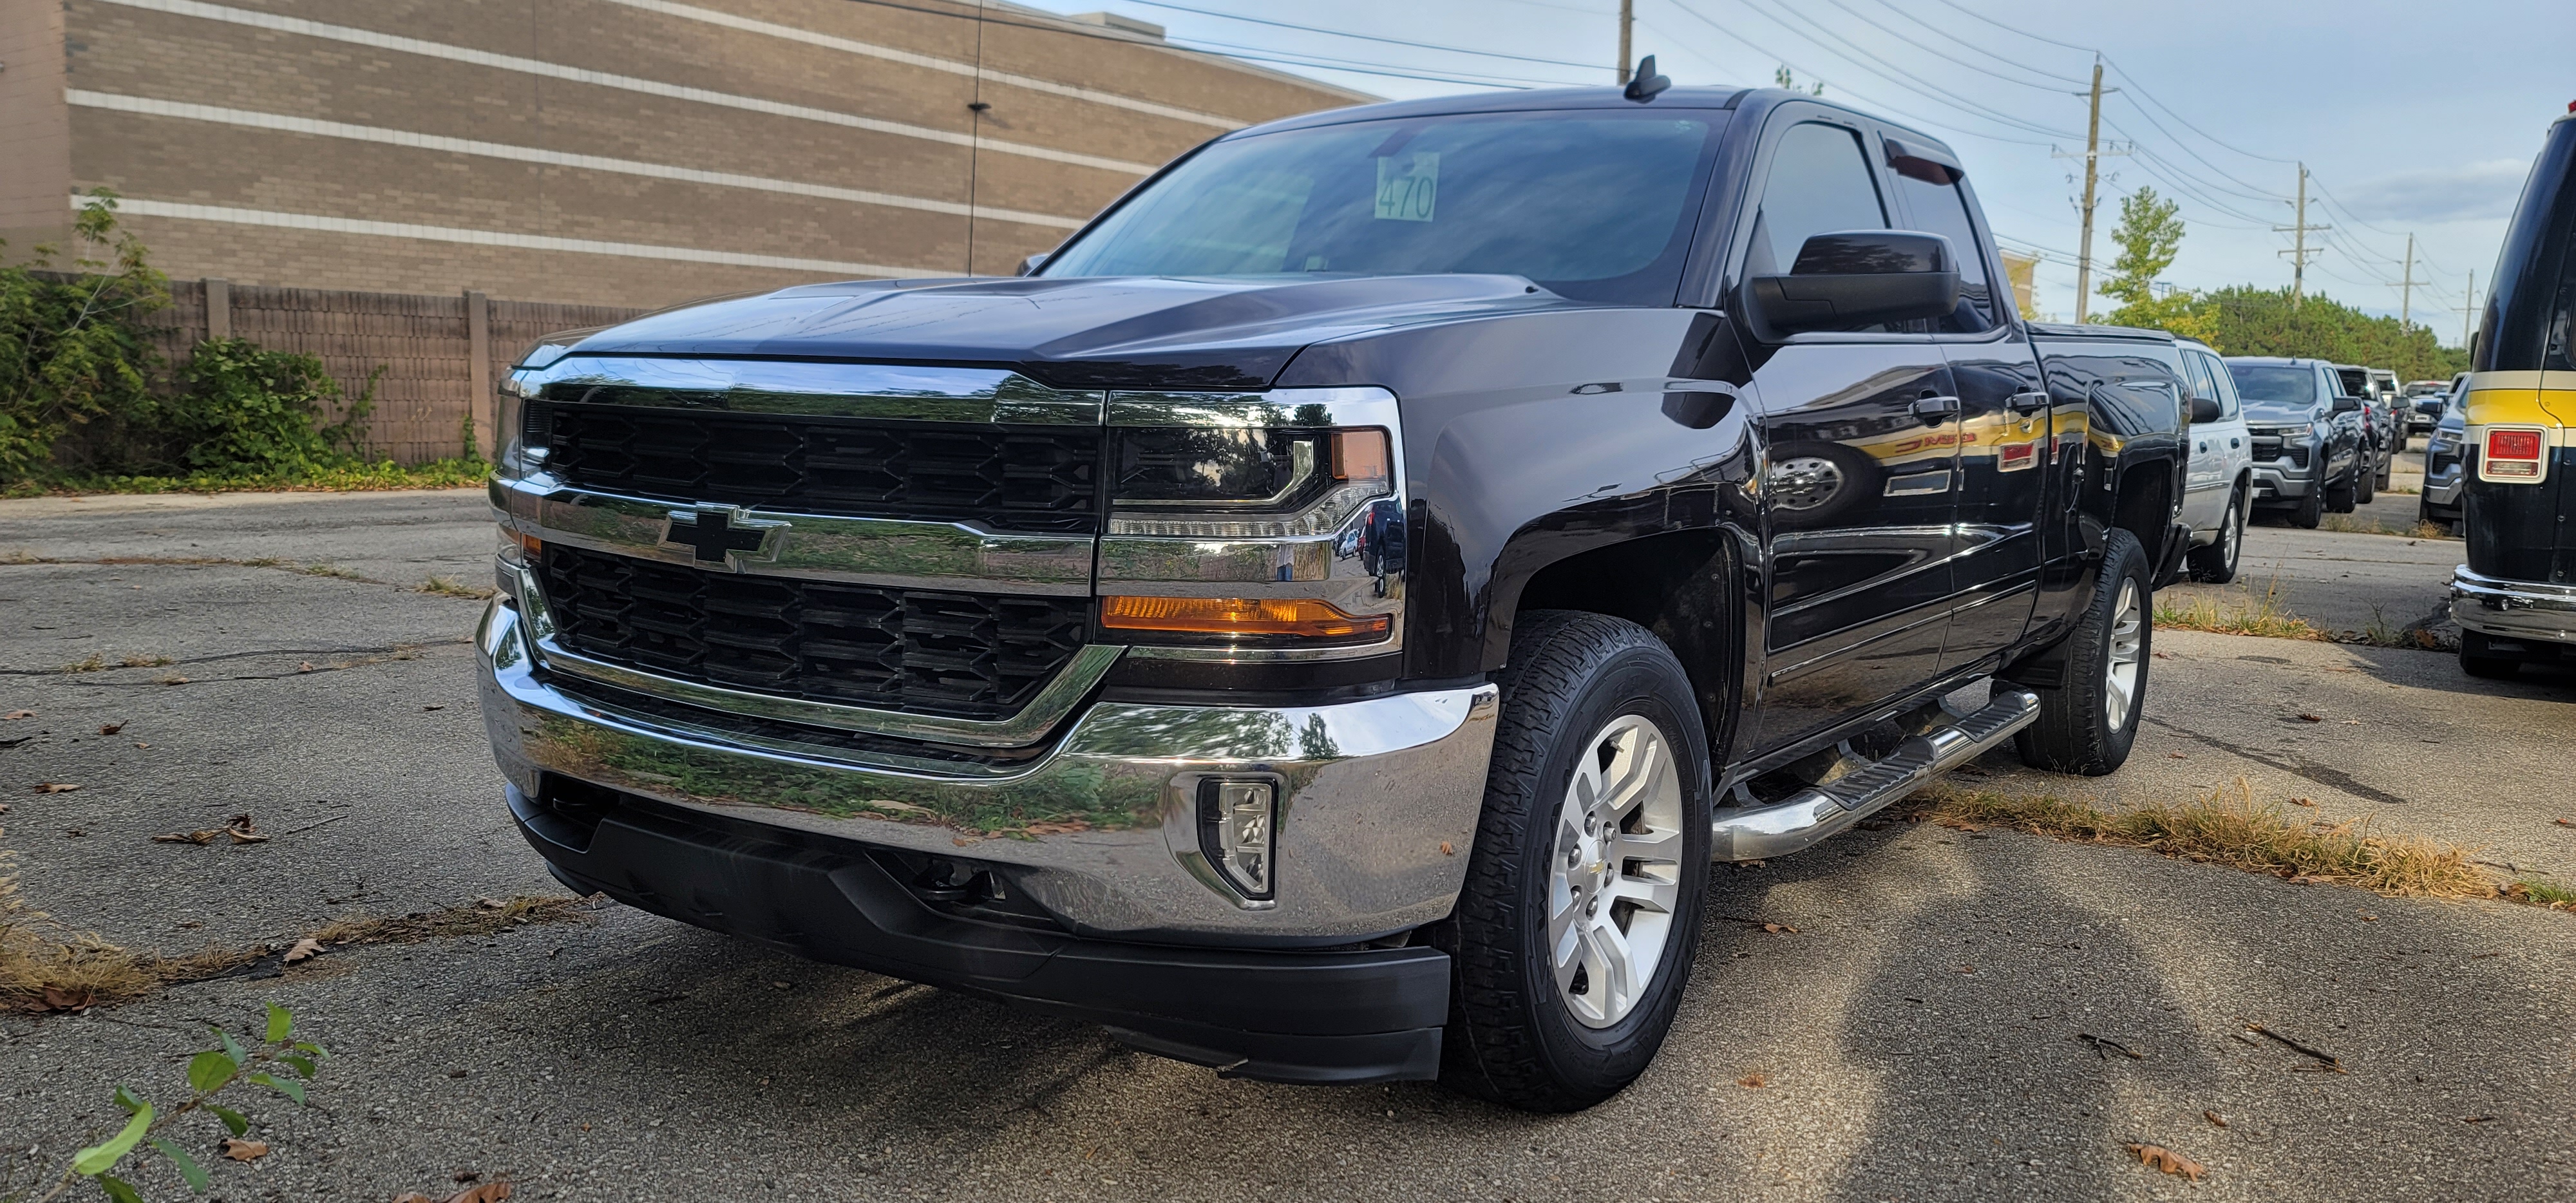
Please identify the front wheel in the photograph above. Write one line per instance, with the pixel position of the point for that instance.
(2339, 492)
(2216, 563)
(2478, 659)
(2311, 510)
(2089, 719)
(2366, 483)
(1574, 933)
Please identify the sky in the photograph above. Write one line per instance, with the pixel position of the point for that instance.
(2412, 118)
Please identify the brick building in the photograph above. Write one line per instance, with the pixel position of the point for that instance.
(602, 152)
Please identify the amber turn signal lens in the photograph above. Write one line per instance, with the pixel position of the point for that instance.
(1302, 617)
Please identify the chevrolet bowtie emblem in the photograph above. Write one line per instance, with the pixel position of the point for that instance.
(724, 534)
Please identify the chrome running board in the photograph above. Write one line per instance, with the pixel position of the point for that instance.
(1818, 811)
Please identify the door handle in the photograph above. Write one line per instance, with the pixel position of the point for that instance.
(1934, 408)
(2030, 402)
(2233, 444)
(2204, 446)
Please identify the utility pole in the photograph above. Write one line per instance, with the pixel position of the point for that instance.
(2093, 152)
(2299, 252)
(2406, 289)
(2468, 308)
(1627, 20)
(2092, 171)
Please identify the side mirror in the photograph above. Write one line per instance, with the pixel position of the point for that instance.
(1859, 277)
(2347, 405)
(2204, 409)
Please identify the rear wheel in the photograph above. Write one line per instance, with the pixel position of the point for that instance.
(2216, 563)
(2089, 720)
(1574, 934)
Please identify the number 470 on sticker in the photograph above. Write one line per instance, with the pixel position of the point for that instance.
(1408, 186)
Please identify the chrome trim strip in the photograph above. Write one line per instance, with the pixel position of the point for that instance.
(1033, 723)
(872, 551)
(1280, 407)
(890, 392)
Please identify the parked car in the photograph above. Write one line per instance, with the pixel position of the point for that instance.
(2382, 438)
(2425, 401)
(2515, 599)
(2218, 480)
(2310, 451)
(1323, 621)
(2445, 457)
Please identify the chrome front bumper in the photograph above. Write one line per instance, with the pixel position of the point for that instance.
(1379, 798)
(2513, 609)
(2280, 480)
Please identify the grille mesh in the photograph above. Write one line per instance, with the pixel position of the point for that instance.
(963, 655)
(1032, 478)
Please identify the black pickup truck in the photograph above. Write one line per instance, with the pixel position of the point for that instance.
(1324, 620)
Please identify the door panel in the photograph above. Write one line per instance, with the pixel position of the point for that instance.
(1861, 491)
(2003, 451)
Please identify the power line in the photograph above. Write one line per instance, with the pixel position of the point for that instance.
(1891, 6)
(1364, 37)
(1939, 93)
(1784, 60)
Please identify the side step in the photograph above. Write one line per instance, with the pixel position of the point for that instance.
(1818, 811)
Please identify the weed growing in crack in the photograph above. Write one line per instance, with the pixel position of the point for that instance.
(210, 1073)
(2268, 616)
(440, 586)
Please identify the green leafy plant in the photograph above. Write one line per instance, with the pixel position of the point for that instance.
(254, 411)
(210, 1074)
(73, 349)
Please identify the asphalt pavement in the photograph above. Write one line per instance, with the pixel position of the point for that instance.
(1947, 1020)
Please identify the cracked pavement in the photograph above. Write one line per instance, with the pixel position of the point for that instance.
(1931, 1030)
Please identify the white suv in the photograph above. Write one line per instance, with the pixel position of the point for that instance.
(2217, 480)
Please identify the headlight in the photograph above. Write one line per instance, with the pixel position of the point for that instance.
(2289, 432)
(1239, 523)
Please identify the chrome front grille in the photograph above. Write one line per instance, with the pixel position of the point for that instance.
(1035, 478)
(918, 651)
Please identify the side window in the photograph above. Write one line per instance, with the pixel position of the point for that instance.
(2229, 405)
(1938, 208)
(2195, 378)
(1820, 183)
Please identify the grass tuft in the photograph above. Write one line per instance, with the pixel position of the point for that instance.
(444, 474)
(2267, 617)
(2227, 826)
(2541, 893)
(2352, 525)
(47, 967)
(443, 587)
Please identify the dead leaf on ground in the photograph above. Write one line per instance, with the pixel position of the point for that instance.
(174, 679)
(1753, 1081)
(2161, 1158)
(2477, 1119)
(413, 1196)
(2177, 756)
(1779, 928)
(489, 1192)
(2212, 1117)
(2565, 822)
(465, 1175)
(1066, 827)
(4, 808)
(18, 714)
(1447, 850)
(238, 1149)
(110, 728)
(306, 666)
(304, 950)
(56, 787)
(243, 831)
(491, 904)
(2311, 718)
(68, 998)
(200, 838)
(2302, 801)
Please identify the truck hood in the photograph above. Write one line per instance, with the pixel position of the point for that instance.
(1110, 332)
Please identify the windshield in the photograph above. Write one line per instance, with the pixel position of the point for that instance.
(1592, 204)
(2275, 390)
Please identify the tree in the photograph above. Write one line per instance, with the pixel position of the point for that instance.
(1785, 79)
(2262, 321)
(2149, 236)
(72, 347)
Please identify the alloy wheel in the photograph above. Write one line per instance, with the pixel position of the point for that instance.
(2120, 668)
(1614, 881)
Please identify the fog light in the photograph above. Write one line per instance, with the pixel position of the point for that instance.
(1237, 830)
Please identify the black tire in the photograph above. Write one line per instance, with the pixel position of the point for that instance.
(2365, 485)
(2478, 659)
(1513, 1036)
(2388, 465)
(2311, 510)
(2075, 732)
(2216, 563)
(2338, 492)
